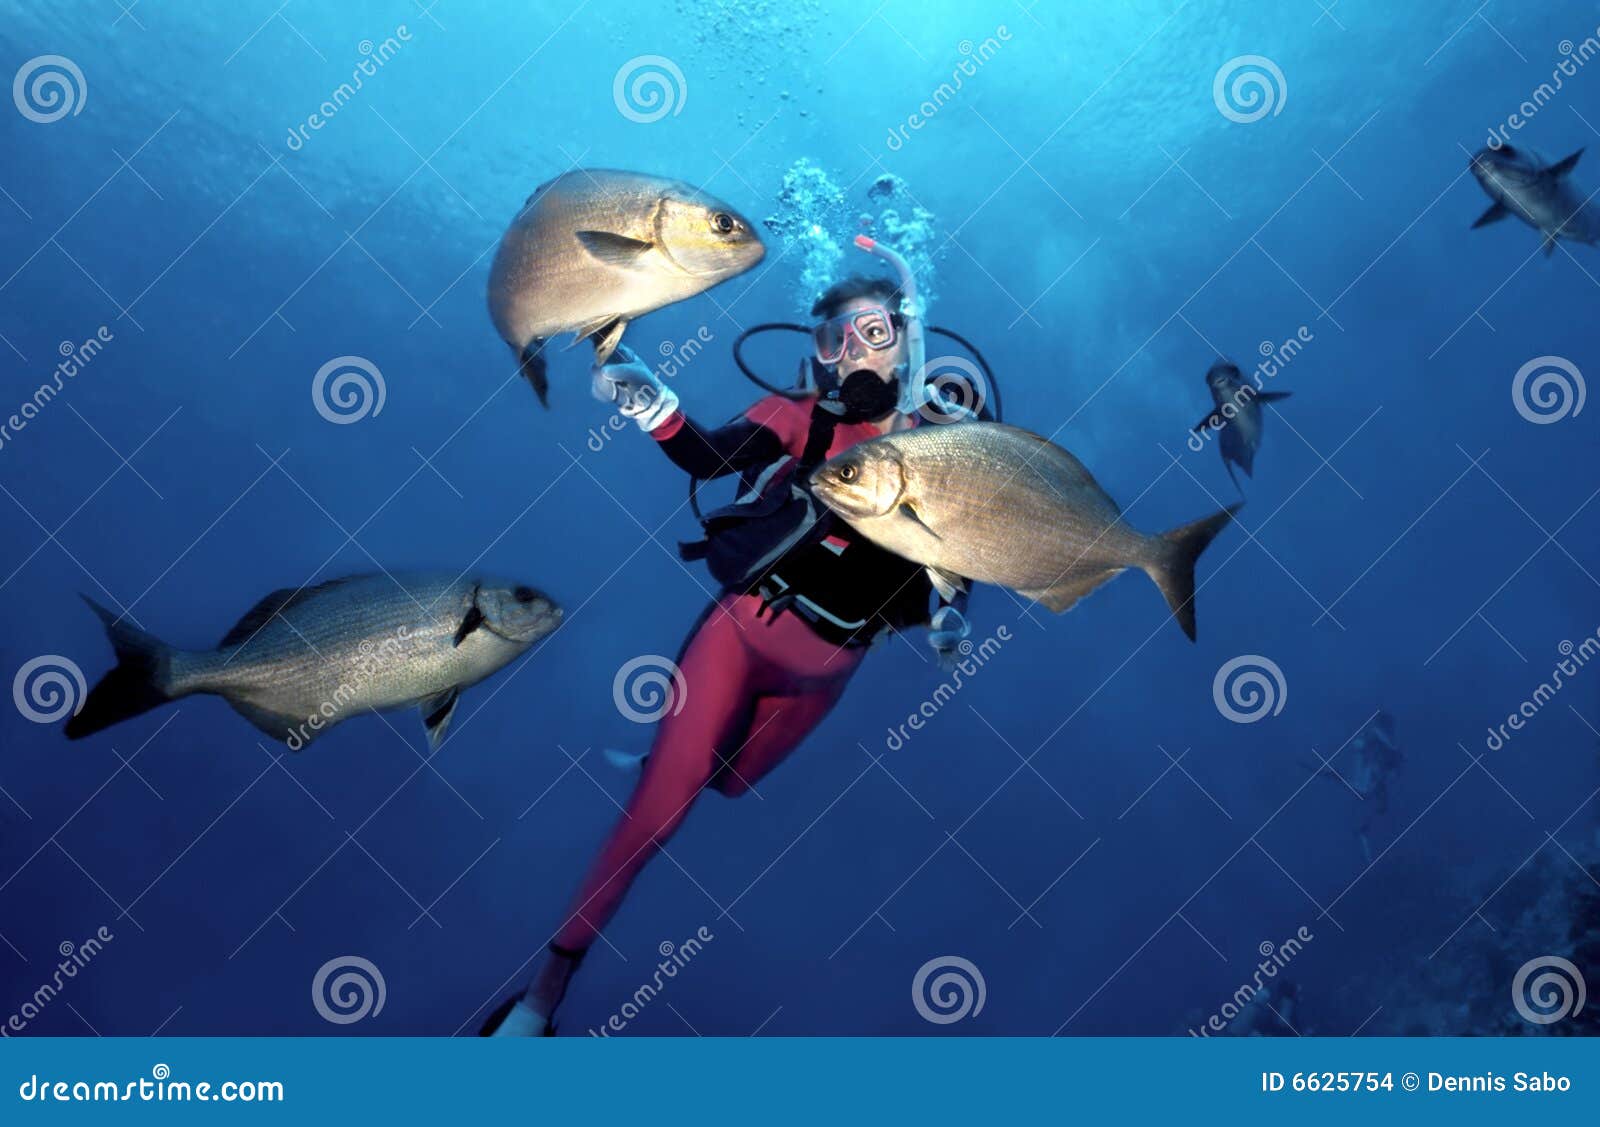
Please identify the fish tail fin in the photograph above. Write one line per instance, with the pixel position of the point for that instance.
(134, 686)
(1173, 571)
(532, 367)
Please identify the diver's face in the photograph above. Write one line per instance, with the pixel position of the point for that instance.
(858, 357)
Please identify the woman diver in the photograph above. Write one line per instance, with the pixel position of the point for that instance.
(802, 596)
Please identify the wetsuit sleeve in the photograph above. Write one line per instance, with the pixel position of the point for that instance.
(703, 453)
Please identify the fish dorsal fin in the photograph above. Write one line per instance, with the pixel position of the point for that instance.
(437, 712)
(1057, 466)
(613, 249)
(1565, 165)
(276, 603)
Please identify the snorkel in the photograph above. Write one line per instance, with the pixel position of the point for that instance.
(913, 389)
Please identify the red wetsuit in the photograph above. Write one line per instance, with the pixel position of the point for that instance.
(757, 683)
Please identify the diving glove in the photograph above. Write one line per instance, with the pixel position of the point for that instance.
(637, 391)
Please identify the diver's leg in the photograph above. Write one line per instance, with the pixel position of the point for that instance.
(715, 668)
(778, 726)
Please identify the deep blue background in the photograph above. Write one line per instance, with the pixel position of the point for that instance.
(230, 269)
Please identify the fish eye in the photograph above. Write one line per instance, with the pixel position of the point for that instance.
(849, 472)
(724, 222)
(523, 594)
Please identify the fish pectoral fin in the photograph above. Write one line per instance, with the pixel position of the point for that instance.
(613, 250)
(1062, 595)
(437, 712)
(1496, 212)
(1272, 396)
(1565, 165)
(946, 584)
(533, 367)
(909, 511)
(606, 342)
(1213, 421)
(472, 620)
(277, 725)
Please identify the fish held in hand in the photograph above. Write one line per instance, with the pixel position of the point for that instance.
(301, 661)
(595, 248)
(998, 504)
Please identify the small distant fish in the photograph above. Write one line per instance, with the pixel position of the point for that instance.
(595, 248)
(1238, 428)
(301, 661)
(1542, 196)
(998, 504)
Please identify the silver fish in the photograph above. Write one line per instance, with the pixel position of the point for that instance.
(595, 248)
(1542, 196)
(1236, 416)
(301, 661)
(998, 504)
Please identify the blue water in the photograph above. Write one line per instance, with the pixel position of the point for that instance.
(1411, 543)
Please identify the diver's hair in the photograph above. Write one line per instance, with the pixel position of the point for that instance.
(853, 287)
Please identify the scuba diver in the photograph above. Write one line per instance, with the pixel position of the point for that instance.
(802, 596)
(1376, 758)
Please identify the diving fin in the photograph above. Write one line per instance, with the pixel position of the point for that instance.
(613, 250)
(437, 712)
(1496, 212)
(1563, 166)
(532, 367)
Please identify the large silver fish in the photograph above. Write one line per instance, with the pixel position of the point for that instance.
(1542, 196)
(1236, 414)
(301, 661)
(999, 504)
(594, 248)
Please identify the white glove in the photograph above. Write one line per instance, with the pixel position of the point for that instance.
(946, 631)
(637, 391)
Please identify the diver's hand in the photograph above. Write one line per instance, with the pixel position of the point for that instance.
(946, 631)
(637, 391)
